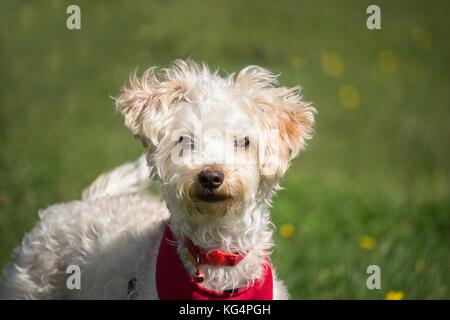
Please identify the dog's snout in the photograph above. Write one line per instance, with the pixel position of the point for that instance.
(210, 178)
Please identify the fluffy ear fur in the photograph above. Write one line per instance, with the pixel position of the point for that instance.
(144, 102)
(286, 121)
(136, 98)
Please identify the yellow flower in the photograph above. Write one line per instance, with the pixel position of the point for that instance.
(387, 61)
(367, 242)
(298, 62)
(287, 230)
(349, 97)
(395, 295)
(421, 38)
(332, 64)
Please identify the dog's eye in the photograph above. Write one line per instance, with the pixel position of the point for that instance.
(242, 143)
(186, 142)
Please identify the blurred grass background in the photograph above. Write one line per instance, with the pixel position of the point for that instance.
(373, 186)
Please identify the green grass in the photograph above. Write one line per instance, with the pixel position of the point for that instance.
(381, 169)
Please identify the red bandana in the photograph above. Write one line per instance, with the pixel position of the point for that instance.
(174, 283)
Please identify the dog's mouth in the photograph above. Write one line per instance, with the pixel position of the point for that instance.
(212, 202)
(213, 197)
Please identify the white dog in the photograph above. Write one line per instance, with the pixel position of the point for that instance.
(218, 146)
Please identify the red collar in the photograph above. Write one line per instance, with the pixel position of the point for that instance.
(213, 257)
(173, 282)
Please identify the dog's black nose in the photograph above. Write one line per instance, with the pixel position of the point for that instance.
(210, 178)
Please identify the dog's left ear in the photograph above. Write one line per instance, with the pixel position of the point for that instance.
(286, 120)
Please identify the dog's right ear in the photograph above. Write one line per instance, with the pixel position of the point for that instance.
(139, 102)
(144, 102)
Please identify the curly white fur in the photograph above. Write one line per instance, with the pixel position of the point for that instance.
(113, 234)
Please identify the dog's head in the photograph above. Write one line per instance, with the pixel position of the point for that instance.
(218, 144)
